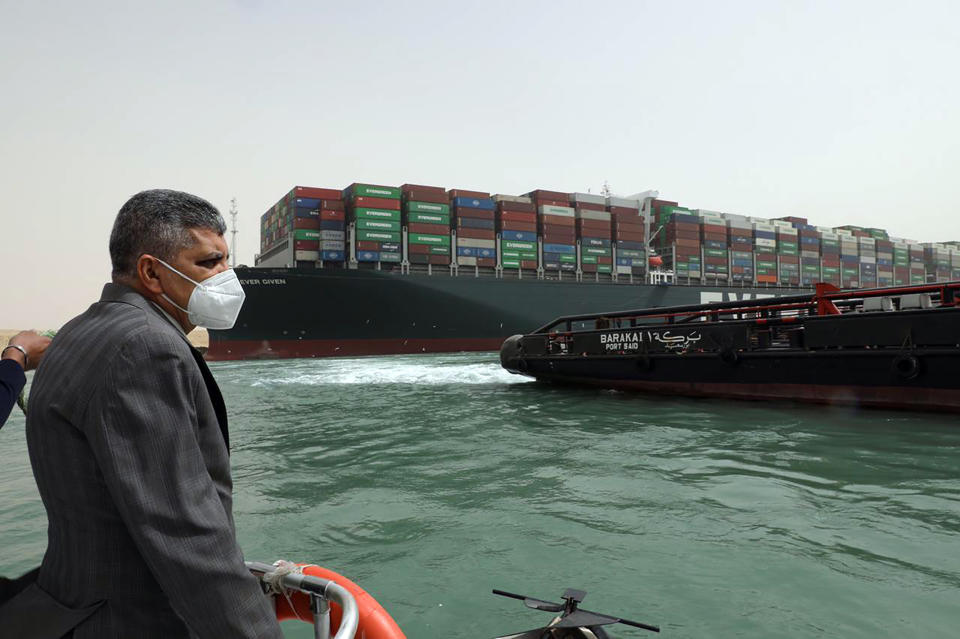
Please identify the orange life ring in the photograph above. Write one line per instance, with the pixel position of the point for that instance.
(374, 622)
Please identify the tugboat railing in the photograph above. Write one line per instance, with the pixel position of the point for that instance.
(321, 592)
(825, 300)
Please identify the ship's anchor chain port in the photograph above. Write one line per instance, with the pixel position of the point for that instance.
(907, 366)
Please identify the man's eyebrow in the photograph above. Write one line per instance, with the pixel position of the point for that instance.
(213, 255)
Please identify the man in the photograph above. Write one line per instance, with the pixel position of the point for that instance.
(22, 353)
(128, 439)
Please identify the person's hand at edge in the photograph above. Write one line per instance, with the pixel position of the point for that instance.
(35, 345)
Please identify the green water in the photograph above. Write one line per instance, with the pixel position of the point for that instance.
(432, 479)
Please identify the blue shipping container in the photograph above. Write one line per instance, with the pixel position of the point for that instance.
(631, 245)
(484, 203)
(559, 248)
(476, 223)
(595, 241)
(466, 251)
(332, 225)
(486, 252)
(519, 236)
(368, 256)
(304, 212)
(307, 203)
(332, 256)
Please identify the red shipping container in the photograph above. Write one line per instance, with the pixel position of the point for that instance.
(770, 279)
(310, 223)
(519, 207)
(440, 259)
(588, 268)
(624, 236)
(714, 237)
(486, 261)
(321, 194)
(419, 249)
(683, 235)
(604, 259)
(306, 245)
(715, 260)
(714, 228)
(766, 257)
(623, 210)
(419, 195)
(557, 238)
(695, 244)
(518, 226)
(541, 194)
(429, 229)
(477, 214)
(557, 220)
(476, 234)
(332, 215)
(511, 216)
(422, 187)
(367, 245)
(539, 203)
(528, 264)
(589, 206)
(629, 228)
(594, 225)
(556, 228)
(830, 261)
(366, 202)
(463, 193)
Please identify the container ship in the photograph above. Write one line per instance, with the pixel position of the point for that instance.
(373, 269)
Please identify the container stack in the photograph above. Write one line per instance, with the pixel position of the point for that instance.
(918, 270)
(954, 262)
(788, 252)
(868, 261)
(849, 259)
(426, 214)
(936, 259)
(765, 249)
(679, 239)
(715, 241)
(901, 261)
(740, 243)
(885, 263)
(333, 226)
(629, 235)
(557, 228)
(475, 223)
(594, 230)
(374, 211)
(808, 243)
(830, 256)
(516, 217)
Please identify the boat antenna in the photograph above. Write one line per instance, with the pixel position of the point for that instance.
(233, 232)
(605, 190)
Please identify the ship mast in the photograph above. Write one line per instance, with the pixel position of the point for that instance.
(233, 232)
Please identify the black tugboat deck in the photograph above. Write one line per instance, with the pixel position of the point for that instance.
(892, 348)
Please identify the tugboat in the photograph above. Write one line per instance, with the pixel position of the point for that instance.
(894, 348)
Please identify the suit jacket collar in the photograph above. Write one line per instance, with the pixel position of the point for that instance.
(124, 294)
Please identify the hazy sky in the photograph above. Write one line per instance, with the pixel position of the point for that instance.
(843, 112)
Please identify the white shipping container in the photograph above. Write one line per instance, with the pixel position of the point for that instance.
(331, 245)
(763, 242)
(708, 213)
(829, 235)
(809, 253)
(472, 243)
(783, 230)
(306, 256)
(624, 269)
(464, 260)
(590, 198)
(782, 224)
(623, 201)
(333, 235)
(868, 259)
(512, 198)
(758, 226)
(738, 224)
(843, 232)
(868, 241)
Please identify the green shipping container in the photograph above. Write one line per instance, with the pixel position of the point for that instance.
(620, 253)
(377, 214)
(369, 190)
(597, 250)
(440, 250)
(568, 259)
(604, 268)
(515, 244)
(766, 265)
(378, 236)
(588, 259)
(510, 263)
(428, 218)
(306, 234)
(432, 240)
(714, 252)
(389, 257)
(378, 225)
(427, 207)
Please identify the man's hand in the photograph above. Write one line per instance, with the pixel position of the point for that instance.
(34, 344)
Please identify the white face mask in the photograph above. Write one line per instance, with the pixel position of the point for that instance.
(215, 302)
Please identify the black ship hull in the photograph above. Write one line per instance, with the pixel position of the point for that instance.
(342, 312)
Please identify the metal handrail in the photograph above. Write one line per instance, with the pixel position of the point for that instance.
(321, 591)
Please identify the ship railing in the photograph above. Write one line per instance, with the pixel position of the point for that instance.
(826, 300)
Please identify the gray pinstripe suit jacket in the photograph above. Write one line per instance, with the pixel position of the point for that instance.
(127, 433)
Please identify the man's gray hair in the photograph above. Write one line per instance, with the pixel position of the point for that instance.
(158, 223)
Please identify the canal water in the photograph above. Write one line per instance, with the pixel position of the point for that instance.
(431, 480)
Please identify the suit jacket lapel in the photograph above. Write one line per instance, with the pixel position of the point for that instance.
(216, 398)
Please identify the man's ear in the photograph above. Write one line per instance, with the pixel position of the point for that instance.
(148, 272)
